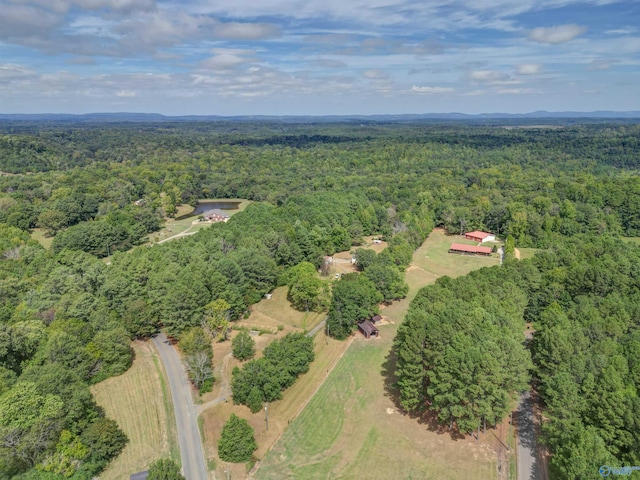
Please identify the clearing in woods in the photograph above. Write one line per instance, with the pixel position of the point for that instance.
(352, 427)
(139, 400)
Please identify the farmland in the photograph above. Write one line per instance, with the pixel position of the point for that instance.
(140, 402)
(354, 419)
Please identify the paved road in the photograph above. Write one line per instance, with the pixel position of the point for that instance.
(193, 464)
(529, 467)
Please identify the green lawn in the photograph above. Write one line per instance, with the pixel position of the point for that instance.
(38, 235)
(352, 427)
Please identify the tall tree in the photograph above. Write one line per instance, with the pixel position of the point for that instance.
(237, 442)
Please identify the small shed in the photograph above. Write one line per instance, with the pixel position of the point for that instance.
(368, 329)
(376, 318)
(469, 249)
(139, 475)
(480, 237)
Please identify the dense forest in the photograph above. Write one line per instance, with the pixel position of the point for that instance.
(66, 317)
(461, 353)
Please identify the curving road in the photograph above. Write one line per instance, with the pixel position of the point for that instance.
(193, 464)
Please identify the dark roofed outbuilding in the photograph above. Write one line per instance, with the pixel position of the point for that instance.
(368, 329)
(139, 475)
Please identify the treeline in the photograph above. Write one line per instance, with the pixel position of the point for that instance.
(65, 310)
(264, 380)
(57, 340)
(66, 318)
(534, 184)
(461, 350)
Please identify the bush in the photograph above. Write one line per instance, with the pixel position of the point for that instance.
(164, 469)
(237, 442)
(243, 346)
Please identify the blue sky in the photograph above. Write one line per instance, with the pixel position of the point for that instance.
(309, 57)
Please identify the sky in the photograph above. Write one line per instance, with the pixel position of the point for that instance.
(310, 57)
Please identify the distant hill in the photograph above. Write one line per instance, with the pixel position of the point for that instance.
(401, 118)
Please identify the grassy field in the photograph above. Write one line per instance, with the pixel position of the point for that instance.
(281, 413)
(278, 310)
(38, 235)
(353, 428)
(140, 401)
(527, 252)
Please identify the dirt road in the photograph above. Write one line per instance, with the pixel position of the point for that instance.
(193, 464)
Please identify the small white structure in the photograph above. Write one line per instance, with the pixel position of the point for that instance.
(268, 296)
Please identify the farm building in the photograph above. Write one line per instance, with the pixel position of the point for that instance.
(215, 215)
(469, 249)
(480, 237)
(368, 329)
(376, 318)
(139, 476)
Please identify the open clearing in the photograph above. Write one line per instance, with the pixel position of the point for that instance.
(279, 310)
(327, 352)
(176, 228)
(38, 235)
(140, 402)
(353, 428)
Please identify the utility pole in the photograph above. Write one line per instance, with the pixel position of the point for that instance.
(266, 415)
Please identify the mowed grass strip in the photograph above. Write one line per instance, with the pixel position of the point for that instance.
(140, 402)
(434, 257)
(279, 309)
(352, 427)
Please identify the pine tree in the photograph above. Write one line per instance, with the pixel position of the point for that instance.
(237, 442)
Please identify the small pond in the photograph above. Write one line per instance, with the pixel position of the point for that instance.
(202, 207)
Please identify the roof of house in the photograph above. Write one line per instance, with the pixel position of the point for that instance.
(215, 211)
(139, 475)
(478, 234)
(367, 327)
(459, 247)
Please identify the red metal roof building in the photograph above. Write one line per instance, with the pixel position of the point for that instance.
(469, 249)
(480, 237)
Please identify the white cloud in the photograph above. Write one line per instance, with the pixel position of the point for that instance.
(246, 31)
(602, 64)
(622, 31)
(126, 93)
(226, 58)
(329, 63)
(432, 90)
(529, 69)
(491, 77)
(13, 71)
(375, 75)
(518, 91)
(557, 34)
(487, 76)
